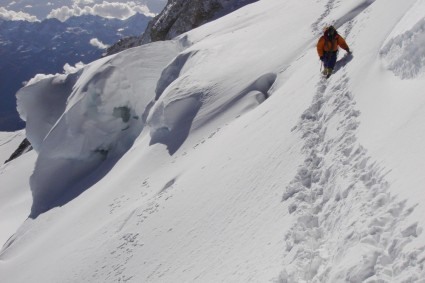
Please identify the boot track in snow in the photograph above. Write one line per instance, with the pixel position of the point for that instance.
(341, 203)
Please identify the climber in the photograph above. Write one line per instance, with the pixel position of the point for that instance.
(327, 48)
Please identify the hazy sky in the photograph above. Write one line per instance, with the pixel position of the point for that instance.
(24, 9)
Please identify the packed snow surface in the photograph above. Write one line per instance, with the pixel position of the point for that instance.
(224, 156)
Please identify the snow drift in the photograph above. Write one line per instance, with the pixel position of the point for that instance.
(223, 156)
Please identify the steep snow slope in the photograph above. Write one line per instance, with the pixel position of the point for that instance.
(249, 166)
(15, 194)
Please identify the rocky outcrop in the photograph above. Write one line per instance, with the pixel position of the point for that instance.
(123, 44)
(180, 16)
(24, 147)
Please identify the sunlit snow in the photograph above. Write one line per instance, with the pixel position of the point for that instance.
(224, 155)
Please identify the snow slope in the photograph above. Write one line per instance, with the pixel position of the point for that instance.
(223, 156)
(15, 194)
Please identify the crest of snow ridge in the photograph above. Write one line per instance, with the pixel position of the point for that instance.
(404, 53)
(77, 121)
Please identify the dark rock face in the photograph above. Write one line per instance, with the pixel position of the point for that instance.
(24, 147)
(180, 16)
(123, 44)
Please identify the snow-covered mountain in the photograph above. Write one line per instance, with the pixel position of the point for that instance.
(29, 48)
(223, 155)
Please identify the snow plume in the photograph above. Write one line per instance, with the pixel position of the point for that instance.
(37, 78)
(97, 43)
(68, 69)
(16, 16)
(106, 9)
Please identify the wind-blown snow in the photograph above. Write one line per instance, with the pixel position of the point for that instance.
(223, 156)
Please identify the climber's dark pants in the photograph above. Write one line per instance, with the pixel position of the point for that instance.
(329, 59)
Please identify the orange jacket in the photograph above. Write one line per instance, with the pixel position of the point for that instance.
(325, 45)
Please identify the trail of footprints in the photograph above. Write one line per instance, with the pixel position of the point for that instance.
(317, 26)
(342, 204)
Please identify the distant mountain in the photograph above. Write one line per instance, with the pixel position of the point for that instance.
(28, 48)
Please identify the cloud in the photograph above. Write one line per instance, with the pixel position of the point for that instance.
(83, 2)
(68, 69)
(63, 13)
(106, 9)
(97, 43)
(16, 16)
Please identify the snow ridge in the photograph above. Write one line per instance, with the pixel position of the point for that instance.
(99, 112)
(404, 54)
(349, 228)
